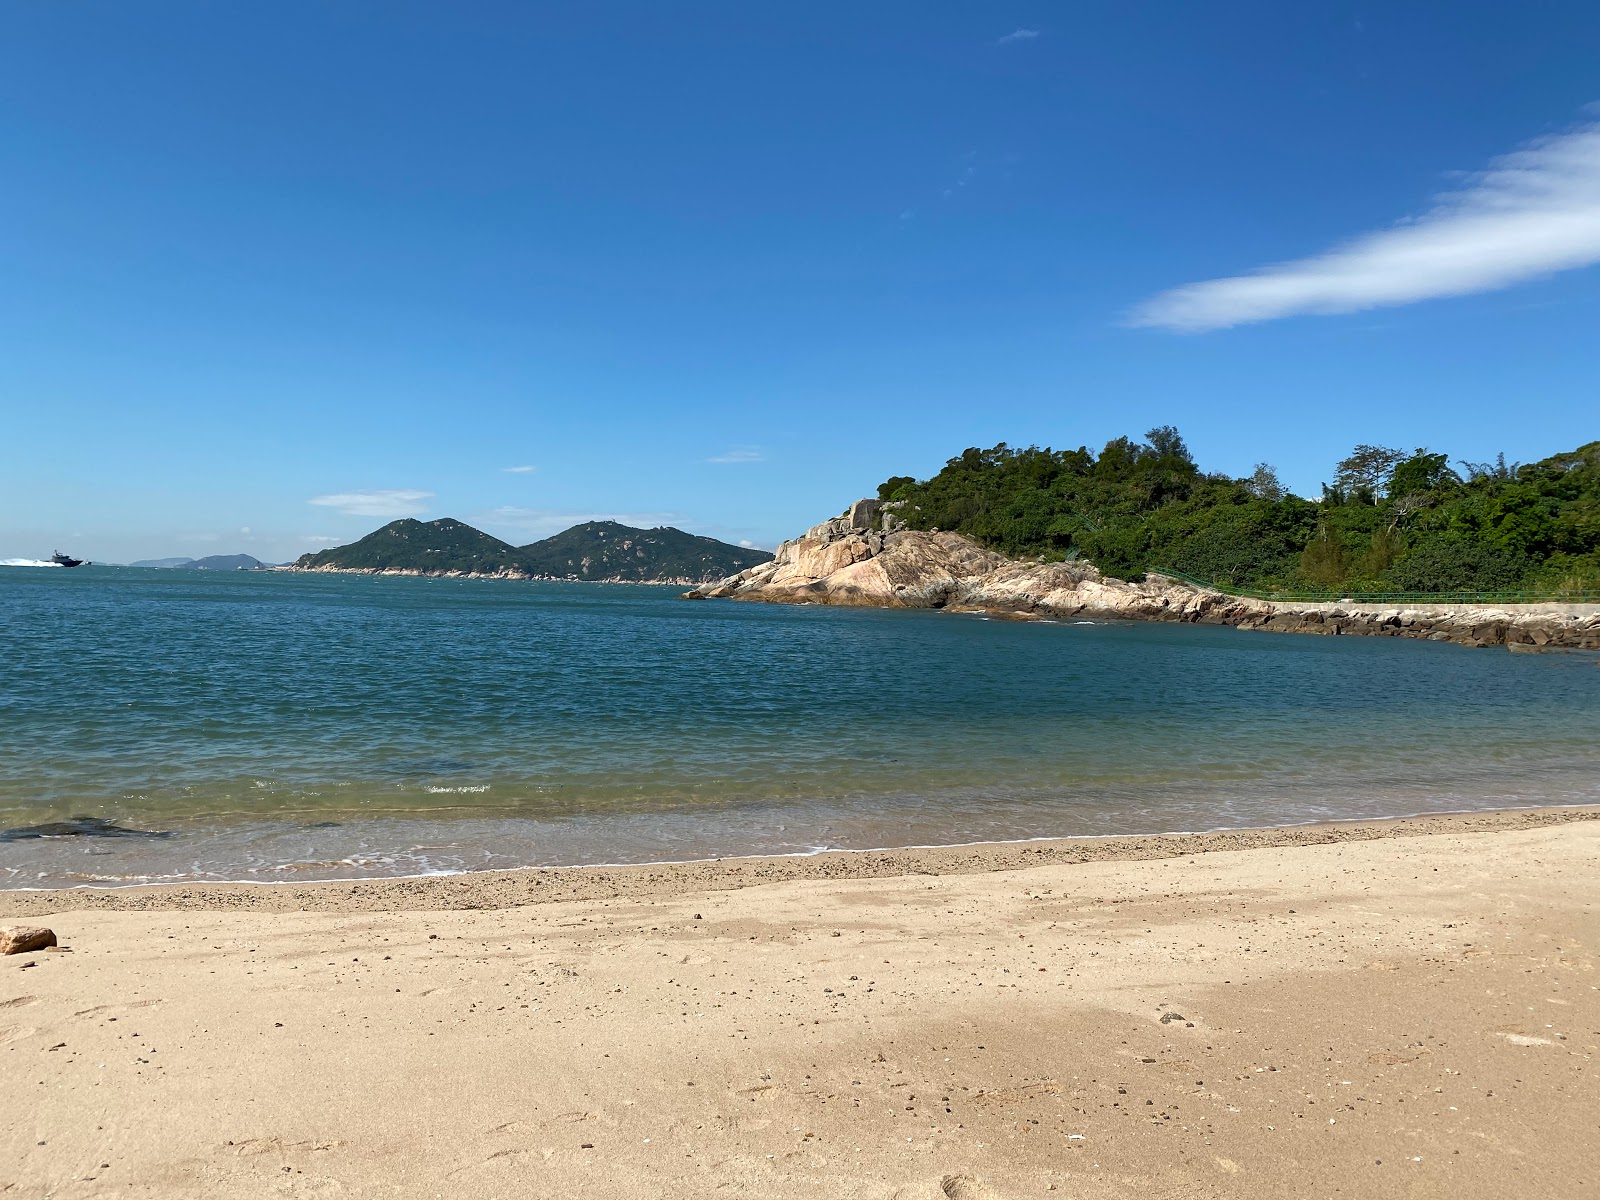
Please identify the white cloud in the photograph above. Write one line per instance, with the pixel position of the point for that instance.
(1533, 212)
(740, 454)
(1017, 35)
(319, 537)
(542, 522)
(518, 470)
(399, 502)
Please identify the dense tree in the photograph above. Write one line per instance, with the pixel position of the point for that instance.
(1390, 521)
(1367, 469)
(1264, 483)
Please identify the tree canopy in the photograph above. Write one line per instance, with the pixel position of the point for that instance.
(1390, 521)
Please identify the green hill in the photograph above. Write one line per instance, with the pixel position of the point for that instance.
(607, 550)
(594, 551)
(1389, 521)
(432, 547)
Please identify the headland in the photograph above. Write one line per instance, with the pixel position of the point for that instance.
(867, 558)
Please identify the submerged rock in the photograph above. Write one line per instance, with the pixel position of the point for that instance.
(866, 558)
(77, 827)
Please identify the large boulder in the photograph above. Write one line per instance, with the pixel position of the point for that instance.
(24, 939)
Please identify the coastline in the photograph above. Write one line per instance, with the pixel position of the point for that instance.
(867, 558)
(500, 889)
(515, 576)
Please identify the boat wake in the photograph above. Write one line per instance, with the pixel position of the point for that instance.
(26, 562)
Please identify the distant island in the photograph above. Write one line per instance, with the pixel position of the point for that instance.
(1389, 521)
(597, 551)
(213, 562)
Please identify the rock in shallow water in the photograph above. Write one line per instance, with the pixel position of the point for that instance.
(77, 827)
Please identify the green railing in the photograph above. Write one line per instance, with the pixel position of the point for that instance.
(1416, 598)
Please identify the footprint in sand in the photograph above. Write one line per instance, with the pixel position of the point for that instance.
(105, 1008)
(306, 1187)
(15, 1033)
(23, 1001)
(276, 1145)
(965, 1187)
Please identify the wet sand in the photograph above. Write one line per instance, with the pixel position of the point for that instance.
(1399, 1008)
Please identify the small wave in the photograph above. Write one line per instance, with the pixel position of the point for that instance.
(26, 562)
(480, 787)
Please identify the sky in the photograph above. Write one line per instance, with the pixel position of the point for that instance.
(273, 275)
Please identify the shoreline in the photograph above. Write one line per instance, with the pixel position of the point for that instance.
(1404, 1007)
(515, 887)
(503, 576)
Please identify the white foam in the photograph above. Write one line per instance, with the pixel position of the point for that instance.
(481, 787)
(26, 562)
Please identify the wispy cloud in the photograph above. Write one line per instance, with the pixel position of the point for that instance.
(398, 502)
(1017, 35)
(740, 454)
(968, 172)
(518, 470)
(542, 522)
(319, 537)
(1532, 212)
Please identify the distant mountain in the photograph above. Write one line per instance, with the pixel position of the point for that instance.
(212, 562)
(607, 550)
(427, 547)
(224, 562)
(598, 550)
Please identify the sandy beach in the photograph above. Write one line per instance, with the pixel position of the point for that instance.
(1408, 1008)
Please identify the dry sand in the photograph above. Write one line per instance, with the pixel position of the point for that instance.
(1409, 1009)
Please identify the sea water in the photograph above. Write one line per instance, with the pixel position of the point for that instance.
(282, 726)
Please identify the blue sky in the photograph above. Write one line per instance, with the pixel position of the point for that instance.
(273, 274)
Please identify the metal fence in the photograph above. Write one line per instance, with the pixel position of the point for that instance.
(1407, 598)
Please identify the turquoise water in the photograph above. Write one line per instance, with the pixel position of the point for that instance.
(283, 726)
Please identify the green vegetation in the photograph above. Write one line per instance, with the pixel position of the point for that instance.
(597, 550)
(412, 545)
(1390, 522)
(607, 550)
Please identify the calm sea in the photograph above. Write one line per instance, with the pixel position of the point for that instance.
(295, 727)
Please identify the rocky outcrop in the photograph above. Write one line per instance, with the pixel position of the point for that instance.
(866, 558)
